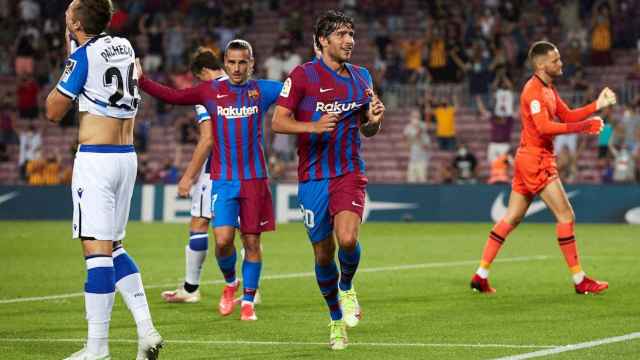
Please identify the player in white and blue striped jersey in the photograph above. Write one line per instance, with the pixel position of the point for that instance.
(196, 182)
(101, 76)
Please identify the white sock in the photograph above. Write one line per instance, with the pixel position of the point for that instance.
(98, 303)
(132, 291)
(194, 260)
(578, 277)
(482, 272)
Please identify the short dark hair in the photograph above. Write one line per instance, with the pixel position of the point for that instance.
(239, 44)
(94, 15)
(540, 48)
(329, 22)
(205, 59)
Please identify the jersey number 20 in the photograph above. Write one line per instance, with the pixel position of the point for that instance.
(114, 73)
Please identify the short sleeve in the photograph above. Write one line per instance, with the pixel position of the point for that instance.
(201, 113)
(270, 90)
(293, 89)
(74, 75)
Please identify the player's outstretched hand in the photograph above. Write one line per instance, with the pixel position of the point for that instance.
(606, 98)
(184, 186)
(594, 125)
(326, 123)
(139, 68)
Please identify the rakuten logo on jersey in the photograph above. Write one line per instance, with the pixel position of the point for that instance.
(231, 112)
(336, 107)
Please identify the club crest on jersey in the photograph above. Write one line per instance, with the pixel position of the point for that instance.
(336, 107)
(535, 107)
(231, 112)
(254, 94)
(68, 69)
(80, 191)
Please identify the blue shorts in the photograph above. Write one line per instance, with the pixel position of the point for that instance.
(321, 200)
(243, 204)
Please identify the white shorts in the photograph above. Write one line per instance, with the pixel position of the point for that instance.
(201, 196)
(101, 188)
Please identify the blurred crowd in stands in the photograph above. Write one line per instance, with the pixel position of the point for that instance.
(437, 57)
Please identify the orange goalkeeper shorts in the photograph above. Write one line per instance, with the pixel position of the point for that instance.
(535, 168)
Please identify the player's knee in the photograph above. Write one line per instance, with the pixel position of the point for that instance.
(252, 248)
(348, 240)
(324, 251)
(566, 216)
(223, 242)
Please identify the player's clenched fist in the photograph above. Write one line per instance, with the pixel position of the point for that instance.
(376, 107)
(606, 98)
(594, 125)
(326, 123)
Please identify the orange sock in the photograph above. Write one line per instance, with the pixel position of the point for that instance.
(497, 236)
(567, 242)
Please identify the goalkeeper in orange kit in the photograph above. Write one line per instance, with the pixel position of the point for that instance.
(535, 166)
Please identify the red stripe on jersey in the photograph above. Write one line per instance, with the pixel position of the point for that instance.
(239, 143)
(261, 152)
(332, 152)
(252, 157)
(215, 151)
(354, 146)
(225, 132)
(303, 155)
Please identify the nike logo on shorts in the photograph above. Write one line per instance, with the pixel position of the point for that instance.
(263, 223)
(355, 204)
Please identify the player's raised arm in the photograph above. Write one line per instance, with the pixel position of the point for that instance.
(546, 126)
(606, 98)
(190, 96)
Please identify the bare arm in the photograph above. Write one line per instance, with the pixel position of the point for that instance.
(200, 154)
(57, 105)
(284, 122)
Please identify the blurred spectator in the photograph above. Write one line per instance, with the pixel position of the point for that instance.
(25, 53)
(34, 172)
(630, 122)
(605, 134)
(276, 167)
(445, 116)
(418, 139)
(501, 128)
(141, 135)
(480, 72)
(27, 98)
(51, 170)
(624, 167)
(170, 173)
(601, 36)
(151, 27)
(30, 146)
(464, 165)
(174, 45)
(29, 10)
(437, 59)
(412, 53)
(8, 133)
(567, 165)
(582, 89)
(274, 65)
(282, 146)
(294, 26)
(499, 173)
(291, 59)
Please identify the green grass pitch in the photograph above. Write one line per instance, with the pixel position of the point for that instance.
(412, 285)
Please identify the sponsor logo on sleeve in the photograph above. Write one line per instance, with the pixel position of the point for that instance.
(286, 88)
(535, 107)
(68, 69)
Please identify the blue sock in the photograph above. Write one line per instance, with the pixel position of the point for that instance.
(251, 277)
(123, 264)
(198, 241)
(348, 265)
(228, 267)
(327, 277)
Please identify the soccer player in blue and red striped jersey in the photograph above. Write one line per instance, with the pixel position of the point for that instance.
(328, 102)
(240, 187)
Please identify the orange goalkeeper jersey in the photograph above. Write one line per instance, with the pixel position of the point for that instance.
(540, 104)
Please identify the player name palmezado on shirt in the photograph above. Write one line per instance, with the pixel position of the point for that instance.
(114, 50)
(231, 112)
(336, 107)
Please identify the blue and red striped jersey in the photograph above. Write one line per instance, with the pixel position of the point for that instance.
(237, 113)
(313, 89)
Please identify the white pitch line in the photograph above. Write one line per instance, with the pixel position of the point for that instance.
(573, 347)
(298, 275)
(287, 343)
